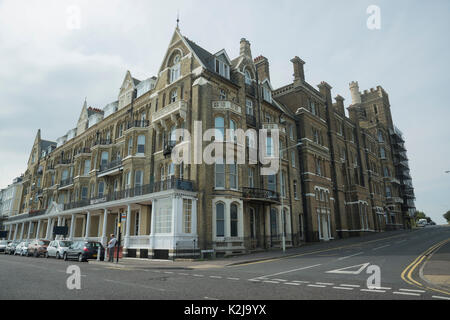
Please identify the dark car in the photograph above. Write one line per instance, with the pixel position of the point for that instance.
(84, 250)
(11, 247)
(38, 247)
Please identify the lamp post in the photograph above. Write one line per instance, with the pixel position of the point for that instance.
(282, 209)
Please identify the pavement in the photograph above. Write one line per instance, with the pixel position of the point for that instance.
(436, 270)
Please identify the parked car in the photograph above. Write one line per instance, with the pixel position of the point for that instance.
(422, 223)
(11, 247)
(36, 248)
(22, 248)
(57, 248)
(84, 250)
(3, 244)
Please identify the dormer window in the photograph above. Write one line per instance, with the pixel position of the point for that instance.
(248, 77)
(175, 70)
(223, 69)
(267, 94)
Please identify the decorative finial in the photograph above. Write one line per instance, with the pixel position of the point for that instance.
(178, 19)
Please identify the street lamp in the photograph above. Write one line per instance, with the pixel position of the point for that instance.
(282, 208)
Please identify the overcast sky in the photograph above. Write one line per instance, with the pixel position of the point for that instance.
(48, 65)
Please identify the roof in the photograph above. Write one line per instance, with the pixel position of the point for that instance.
(92, 111)
(45, 144)
(205, 56)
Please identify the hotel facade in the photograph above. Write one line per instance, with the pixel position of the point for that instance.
(339, 176)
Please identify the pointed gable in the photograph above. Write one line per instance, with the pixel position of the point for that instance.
(127, 90)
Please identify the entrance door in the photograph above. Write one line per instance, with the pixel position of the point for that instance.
(325, 234)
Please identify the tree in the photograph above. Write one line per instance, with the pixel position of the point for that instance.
(419, 215)
(447, 216)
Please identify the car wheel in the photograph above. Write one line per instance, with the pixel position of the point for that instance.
(58, 256)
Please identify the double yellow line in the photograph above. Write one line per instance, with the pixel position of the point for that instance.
(407, 274)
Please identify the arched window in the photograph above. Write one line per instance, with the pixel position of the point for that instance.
(175, 70)
(220, 219)
(219, 124)
(233, 128)
(248, 77)
(173, 95)
(234, 220)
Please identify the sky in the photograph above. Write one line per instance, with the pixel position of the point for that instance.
(54, 54)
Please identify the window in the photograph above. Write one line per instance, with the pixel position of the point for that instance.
(250, 178)
(138, 178)
(173, 95)
(187, 215)
(249, 106)
(312, 107)
(219, 124)
(233, 176)
(273, 222)
(388, 192)
(130, 146)
(386, 172)
(136, 224)
(104, 159)
(234, 220)
(163, 219)
(84, 193)
(232, 131)
(380, 136)
(222, 95)
(162, 174)
(175, 70)
(248, 77)
(382, 153)
(293, 158)
(101, 189)
(121, 130)
(170, 170)
(220, 219)
(267, 95)
(141, 144)
(291, 132)
(318, 167)
(272, 182)
(223, 69)
(87, 167)
(181, 168)
(295, 190)
(269, 147)
(220, 175)
(128, 180)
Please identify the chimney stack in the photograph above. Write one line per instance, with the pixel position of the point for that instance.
(262, 67)
(245, 48)
(299, 71)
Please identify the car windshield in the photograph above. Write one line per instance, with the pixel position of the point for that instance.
(44, 242)
(65, 244)
(93, 244)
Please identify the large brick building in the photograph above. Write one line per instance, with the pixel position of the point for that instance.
(340, 176)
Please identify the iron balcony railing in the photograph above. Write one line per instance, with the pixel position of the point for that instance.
(257, 193)
(65, 161)
(251, 120)
(102, 142)
(84, 151)
(168, 147)
(138, 124)
(66, 182)
(169, 184)
(110, 166)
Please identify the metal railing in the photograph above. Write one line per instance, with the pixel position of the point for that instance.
(138, 124)
(66, 182)
(111, 165)
(257, 193)
(102, 142)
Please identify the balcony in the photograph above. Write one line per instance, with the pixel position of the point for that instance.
(65, 183)
(138, 124)
(226, 105)
(171, 111)
(63, 162)
(111, 168)
(260, 195)
(273, 126)
(168, 147)
(169, 184)
(102, 142)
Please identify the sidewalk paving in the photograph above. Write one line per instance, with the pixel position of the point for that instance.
(437, 269)
(252, 257)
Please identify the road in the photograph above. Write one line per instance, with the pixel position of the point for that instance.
(338, 273)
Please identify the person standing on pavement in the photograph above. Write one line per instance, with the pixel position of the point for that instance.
(111, 245)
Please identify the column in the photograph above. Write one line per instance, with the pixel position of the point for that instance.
(10, 232)
(58, 223)
(88, 224)
(105, 225)
(72, 226)
(21, 231)
(194, 217)
(38, 229)
(49, 223)
(30, 224)
(127, 234)
(15, 231)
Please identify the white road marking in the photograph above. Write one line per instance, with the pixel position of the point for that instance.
(407, 293)
(168, 272)
(207, 298)
(388, 245)
(343, 288)
(300, 281)
(281, 280)
(438, 297)
(269, 281)
(292, 283)
(183, 274)
(216, 277)
(381, 288)
(198, 275)
(372, 290)
(353, 255)
(345, 270)
(289, 271)
(316, 286)
(233, 279)
(350, 285)
(254, 280)
(325, 283)
(409, 290)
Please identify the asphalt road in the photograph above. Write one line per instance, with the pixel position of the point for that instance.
(338, 273)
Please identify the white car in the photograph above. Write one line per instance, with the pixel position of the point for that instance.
(22, 248)
(56, 248)
(422, 223)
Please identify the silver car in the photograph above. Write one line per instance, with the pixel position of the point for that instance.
(56, 248)
(3, 244)
(22, 248)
